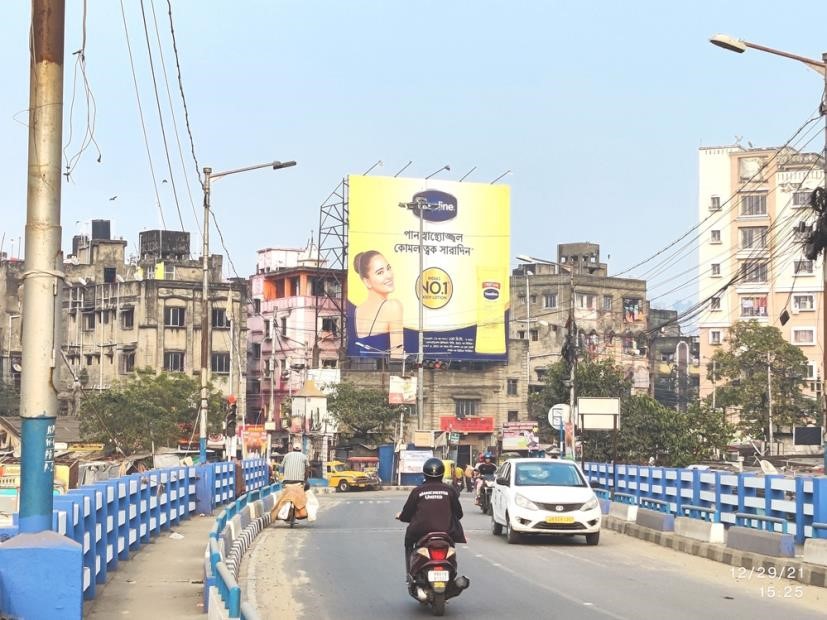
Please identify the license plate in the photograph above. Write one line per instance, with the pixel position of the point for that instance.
(437, 575)
(559, 519)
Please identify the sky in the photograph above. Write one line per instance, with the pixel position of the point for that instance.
(597, 109)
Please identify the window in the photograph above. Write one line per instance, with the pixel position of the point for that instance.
(283, 331)
(88, 321)
(127, 318)
(256, 306)
(716, 270)
(715, 203)
(802, 231)
(585, 300)
(715, 336)
(715, 303)
(631, 310)
(267, 333)
(753, 237)
(332, 363)
(174, 316)
(534, 334)
(220, 363)
(715, 236)
(810, 370)
(754, 271)
(521, 334)
(330, 324)
(174, 361)
(550, 300)
(754, 204)
(754, 306)
(803, 335)
(127, 362)
(511, 387)
(109, 275)
(255, 350)
(464, 407)
(512, 416)
(607, 303)
(803, 303)
(219, 318)
(802, 198)
(803, 267)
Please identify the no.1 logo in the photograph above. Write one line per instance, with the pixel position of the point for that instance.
(434, 288)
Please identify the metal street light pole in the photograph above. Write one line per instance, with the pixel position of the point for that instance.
(740, 46)
(205, 281)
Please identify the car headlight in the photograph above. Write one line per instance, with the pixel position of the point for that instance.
(591, 504)
(523, 502)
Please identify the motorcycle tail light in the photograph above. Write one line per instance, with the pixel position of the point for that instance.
(439, 554)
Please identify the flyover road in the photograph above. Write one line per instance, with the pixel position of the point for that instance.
(348, 565)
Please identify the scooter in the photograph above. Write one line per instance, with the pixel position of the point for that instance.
(432, 572)
(486, 488)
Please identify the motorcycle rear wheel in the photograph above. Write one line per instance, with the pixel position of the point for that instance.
(291, 518)
(438, 604)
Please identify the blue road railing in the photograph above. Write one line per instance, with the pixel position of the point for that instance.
(797, 505)
(112, 519)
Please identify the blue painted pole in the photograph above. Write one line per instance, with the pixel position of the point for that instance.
(37, 474)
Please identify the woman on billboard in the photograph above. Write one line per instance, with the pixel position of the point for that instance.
(378, 320)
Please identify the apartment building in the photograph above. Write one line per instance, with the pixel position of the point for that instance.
(122, 316)
(295, 324)
(611, 314)
(754, 214)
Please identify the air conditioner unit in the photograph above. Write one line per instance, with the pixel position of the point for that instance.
(795, 310)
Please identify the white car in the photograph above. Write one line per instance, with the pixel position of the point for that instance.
(544, 496)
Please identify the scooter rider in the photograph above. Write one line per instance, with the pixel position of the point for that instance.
(486, 469)
(431, 507)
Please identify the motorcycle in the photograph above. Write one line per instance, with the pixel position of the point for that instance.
(432, 572)
(486, 488)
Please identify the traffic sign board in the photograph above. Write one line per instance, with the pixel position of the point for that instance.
(557, 415)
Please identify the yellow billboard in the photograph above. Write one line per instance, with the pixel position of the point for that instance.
(450, 281)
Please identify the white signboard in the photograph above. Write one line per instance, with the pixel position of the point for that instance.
(599, 414)
(559, 414)
(411, 461)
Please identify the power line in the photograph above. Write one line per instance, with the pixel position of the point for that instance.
(141, 115)
(161, 117)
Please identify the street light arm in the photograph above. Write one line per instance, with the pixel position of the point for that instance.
(276, 165)
(740, 46)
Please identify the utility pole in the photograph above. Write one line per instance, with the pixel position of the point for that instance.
(420, 353)
(272, 334)
(42, 280)
(571, 358)
(205, 321)
(769, 399)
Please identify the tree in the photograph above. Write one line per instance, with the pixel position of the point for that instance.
(362, 412)
(147, 411)
(753, 348)
(593, 378)
(9, 399)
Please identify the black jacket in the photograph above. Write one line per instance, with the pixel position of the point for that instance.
(433, 507)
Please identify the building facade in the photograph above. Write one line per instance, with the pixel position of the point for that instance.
(294, 324)
(123, 316)
(611, 314)
(753, 209)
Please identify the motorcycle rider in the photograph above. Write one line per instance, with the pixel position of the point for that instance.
(486, 469)
(433, 506)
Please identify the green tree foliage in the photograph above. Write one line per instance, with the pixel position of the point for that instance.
(9, 399)
(647, 428)
(362, 412)
(742, 368)
(147, 410)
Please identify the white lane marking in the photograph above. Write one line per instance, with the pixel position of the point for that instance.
(557, 592)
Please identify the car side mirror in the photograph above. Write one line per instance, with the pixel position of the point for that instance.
(503, 481)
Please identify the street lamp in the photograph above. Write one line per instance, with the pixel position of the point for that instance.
(740, 46)
(419, 205)
(205, 271)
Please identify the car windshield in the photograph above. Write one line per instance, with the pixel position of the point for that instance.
(547, 474)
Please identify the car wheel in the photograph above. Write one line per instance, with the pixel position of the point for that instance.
(593, 538)
(342, 486)
(496, 528)
(510, 535)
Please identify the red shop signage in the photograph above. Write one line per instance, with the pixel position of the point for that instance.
(466, 425)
